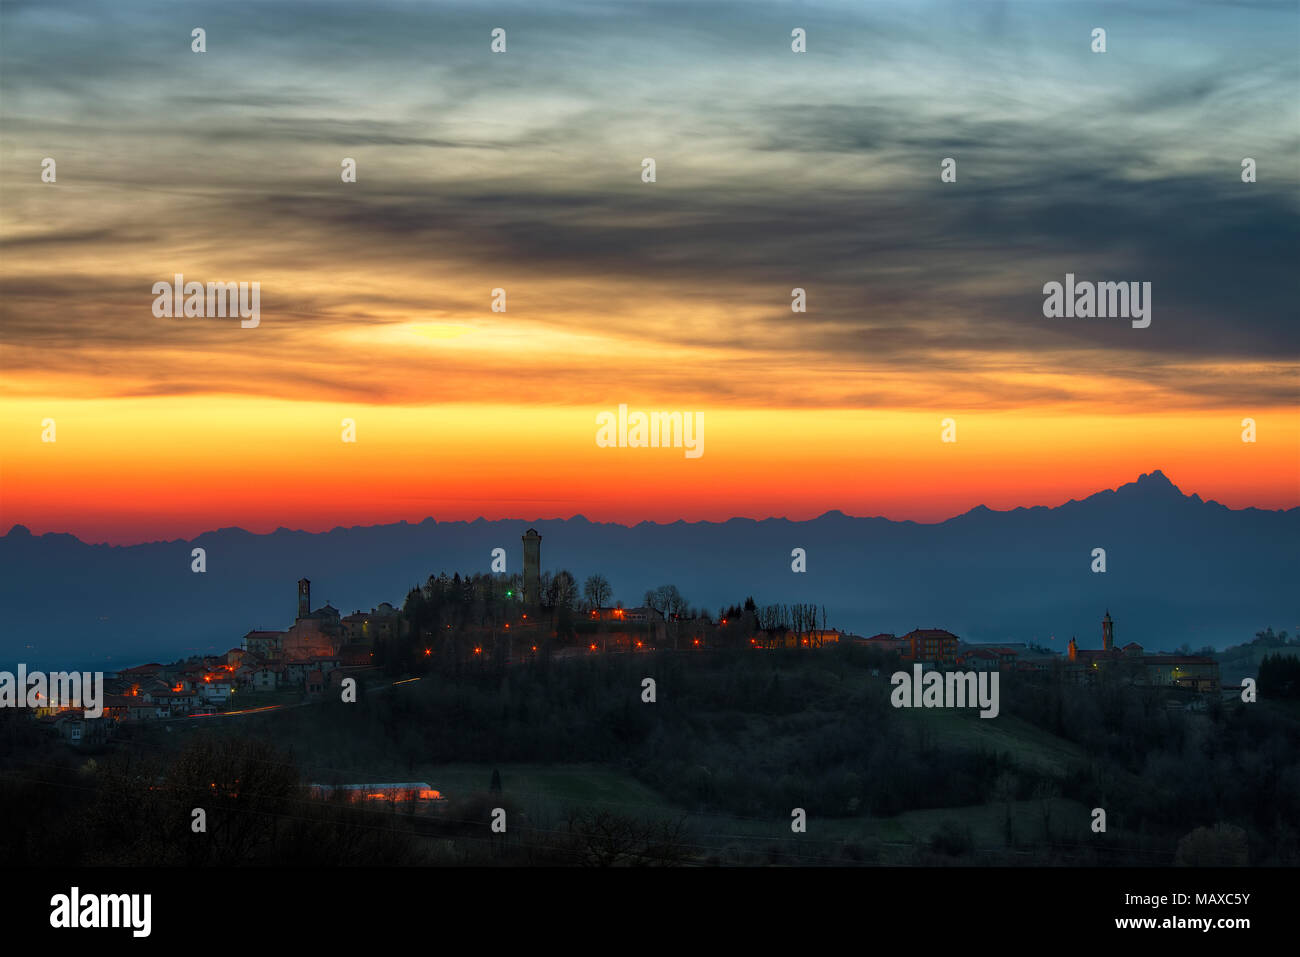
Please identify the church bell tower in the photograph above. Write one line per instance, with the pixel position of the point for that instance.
(532, 568)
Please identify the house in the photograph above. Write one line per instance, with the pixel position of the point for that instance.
(243, 674)
(978, 659)
(295, 672)
(140, 710)
(417, 791)
(79, 730)
(382, 623)
(175, 704)
(640, 614)
(1000, 656)
(117, 707)
(151, 670)
(315, 683)
(818, 637)
(264, 644)
(931, 644)
(788, 638)
(1197, 672)
(193, 674)
(215, 690)
(143, 689)
(327, 663)
(885, 642)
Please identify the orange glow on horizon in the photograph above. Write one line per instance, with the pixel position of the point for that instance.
(162, 470)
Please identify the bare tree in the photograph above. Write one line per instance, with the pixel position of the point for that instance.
(607, 839)
(561, 596)
(677, 608)
(597, 590)
(654, 598)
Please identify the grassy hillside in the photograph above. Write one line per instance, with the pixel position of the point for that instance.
(735, 742)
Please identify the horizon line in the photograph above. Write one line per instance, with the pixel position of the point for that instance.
(1153, 475)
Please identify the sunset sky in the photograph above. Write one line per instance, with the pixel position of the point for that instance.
(522, 171)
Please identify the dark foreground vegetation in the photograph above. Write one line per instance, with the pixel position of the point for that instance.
(733, 743)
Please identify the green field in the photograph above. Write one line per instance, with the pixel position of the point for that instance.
(545, 794)
(1026, 744)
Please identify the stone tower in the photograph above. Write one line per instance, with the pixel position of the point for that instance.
(1107, 632)
(532, 568)
(304, 597)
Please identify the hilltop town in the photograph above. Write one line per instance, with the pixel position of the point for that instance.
(496, 620)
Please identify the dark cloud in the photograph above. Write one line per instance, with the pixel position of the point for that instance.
(774, 172)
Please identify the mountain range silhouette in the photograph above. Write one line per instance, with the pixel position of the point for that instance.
(1178, 570)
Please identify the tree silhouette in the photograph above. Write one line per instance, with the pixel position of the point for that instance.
(597, 590)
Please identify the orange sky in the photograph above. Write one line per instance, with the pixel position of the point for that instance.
(129, 470)
(523, 172)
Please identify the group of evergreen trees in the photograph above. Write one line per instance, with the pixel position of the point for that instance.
(459, 621)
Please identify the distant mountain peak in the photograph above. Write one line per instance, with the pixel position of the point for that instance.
(1153, 482)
